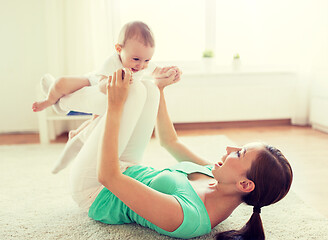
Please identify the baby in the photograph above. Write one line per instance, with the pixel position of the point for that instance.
(134, 51)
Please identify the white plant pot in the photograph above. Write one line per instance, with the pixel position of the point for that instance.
(208, 64)
(236, 65)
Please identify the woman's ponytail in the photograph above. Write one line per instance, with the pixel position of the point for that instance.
(253, 230)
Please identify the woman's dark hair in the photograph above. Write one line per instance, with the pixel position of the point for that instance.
(272, 175)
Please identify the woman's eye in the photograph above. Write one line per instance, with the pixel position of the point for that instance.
(238, 153)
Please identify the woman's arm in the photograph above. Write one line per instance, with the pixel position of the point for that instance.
(166, 131)
(160, 209)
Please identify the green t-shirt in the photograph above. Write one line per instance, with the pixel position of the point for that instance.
(107, 208)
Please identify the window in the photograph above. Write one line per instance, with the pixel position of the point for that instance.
(178, 26)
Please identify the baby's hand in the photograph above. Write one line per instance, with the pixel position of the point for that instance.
(103, 82)
(118, 89)
(166, 76)
(167, 72)
(163, 72)
(103, 85)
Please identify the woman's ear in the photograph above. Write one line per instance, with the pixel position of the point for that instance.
(118, 48)
(246, 185)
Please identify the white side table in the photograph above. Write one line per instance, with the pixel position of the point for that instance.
(51, 124)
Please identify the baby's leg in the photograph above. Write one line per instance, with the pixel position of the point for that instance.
(144, 128)
(87, 99)
(58, 88)
(46, 82)
(83, 177)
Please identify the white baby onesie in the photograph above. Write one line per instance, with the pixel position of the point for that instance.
(112, 64)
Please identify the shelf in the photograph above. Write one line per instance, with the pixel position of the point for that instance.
(69, 118)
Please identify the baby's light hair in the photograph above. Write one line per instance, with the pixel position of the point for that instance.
(138, 30)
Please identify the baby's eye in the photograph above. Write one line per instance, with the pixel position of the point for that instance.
(136, 59)
(147, 60)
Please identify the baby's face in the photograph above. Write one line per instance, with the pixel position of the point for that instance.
(135, 55)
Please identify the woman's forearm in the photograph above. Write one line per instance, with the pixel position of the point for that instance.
(169, 138)
(117, 93)
(108, 161)
(165, 128)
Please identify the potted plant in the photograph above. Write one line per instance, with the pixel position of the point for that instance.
(236, 63)
(208, 55)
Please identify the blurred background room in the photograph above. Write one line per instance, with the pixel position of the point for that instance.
(253, 70)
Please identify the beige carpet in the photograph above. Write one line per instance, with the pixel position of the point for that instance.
(34, 204)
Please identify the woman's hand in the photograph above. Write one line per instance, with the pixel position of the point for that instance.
(166, 76)
(118, 89)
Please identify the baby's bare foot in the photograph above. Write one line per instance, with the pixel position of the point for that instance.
(39, 106)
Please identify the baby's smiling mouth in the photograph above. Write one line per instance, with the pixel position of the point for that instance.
(134, 70)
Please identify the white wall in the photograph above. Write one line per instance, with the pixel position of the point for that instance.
(22, 62)
(232, 96)
(273, 33)
(266, 32)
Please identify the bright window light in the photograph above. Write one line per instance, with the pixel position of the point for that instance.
(178, 26)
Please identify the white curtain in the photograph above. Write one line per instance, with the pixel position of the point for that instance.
(313, 48)
(80, 34)
(302, 96)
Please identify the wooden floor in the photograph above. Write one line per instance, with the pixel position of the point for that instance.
(305, 148)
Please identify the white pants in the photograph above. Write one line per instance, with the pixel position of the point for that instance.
(137, 124)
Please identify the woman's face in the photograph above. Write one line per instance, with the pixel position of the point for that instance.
(235, 163)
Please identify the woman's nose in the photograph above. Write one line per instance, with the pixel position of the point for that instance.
(230, 149)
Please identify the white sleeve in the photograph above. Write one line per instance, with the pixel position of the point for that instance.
(111, 64)
(93, 78)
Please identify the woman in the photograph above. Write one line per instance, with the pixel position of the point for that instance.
(184, 201)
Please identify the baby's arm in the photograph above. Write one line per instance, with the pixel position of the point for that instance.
(102, 85)
(58, 88)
